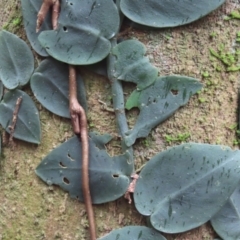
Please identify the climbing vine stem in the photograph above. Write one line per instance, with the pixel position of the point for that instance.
(79, 123)
(118, 100)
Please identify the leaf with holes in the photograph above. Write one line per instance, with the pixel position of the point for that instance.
(30, 9)
(109, 176)
(165, 13)
(185, 186)
(50, 86)
(134, 233)
(16, 62)
(83, 33)
(227, 221)
(1, 89)
(158, 102)
(28, 123)
(132, 66)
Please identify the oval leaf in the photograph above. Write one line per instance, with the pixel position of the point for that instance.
(30, 9)
(183, 187)
(227, 221)
(28, 123)
(50, 86)
(134, 233)
(132, 66)
(165, 13)
(110, 174)
(84, 28)
(158, 102)
(16, 62)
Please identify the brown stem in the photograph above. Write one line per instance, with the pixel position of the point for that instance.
(78, 116)
(79, 123)
(55, 4)
(14, 118)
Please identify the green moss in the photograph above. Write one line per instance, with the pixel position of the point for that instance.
(181, 137)
(228, 59)
(233, 15)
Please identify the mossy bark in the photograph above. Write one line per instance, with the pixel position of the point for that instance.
(29, 209)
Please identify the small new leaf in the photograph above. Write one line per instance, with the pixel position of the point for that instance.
(132, 66)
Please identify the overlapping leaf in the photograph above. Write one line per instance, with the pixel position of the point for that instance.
(132, 66)
(167, 13)
(28, 123)
(134, 233)
(109, 176)
(227, 221)
(16, 61)
(185, 186)
(84, 28)
(30, 9)
(50, 86)
(158, 102)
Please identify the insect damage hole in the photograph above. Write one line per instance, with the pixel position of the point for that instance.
(65, 29)
(115, 175)
(65, 180)
(174, 92)
(69, 156)
(62, 165)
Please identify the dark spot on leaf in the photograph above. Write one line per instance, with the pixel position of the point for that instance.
(65, 180)
(115, 175)
(174, 92)
(69, 156)
(65, 29)
(62, 165)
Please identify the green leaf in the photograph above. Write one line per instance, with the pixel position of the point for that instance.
(84, 28)
(99, 67)
(50, 85)
(28, 123)
(132, 66)
(185, 186)
(158, 102)
(1, 90)
(227, 221)
(30, 9)
(16, 62)
(109, 176)
(133, 100)
(165, 13)
(133, 233)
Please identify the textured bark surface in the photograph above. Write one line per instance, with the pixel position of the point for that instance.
(29, 209)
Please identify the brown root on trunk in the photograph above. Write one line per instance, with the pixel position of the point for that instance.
(46, 5)
(79, 123)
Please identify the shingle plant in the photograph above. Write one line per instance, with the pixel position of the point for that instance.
(178, 189)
